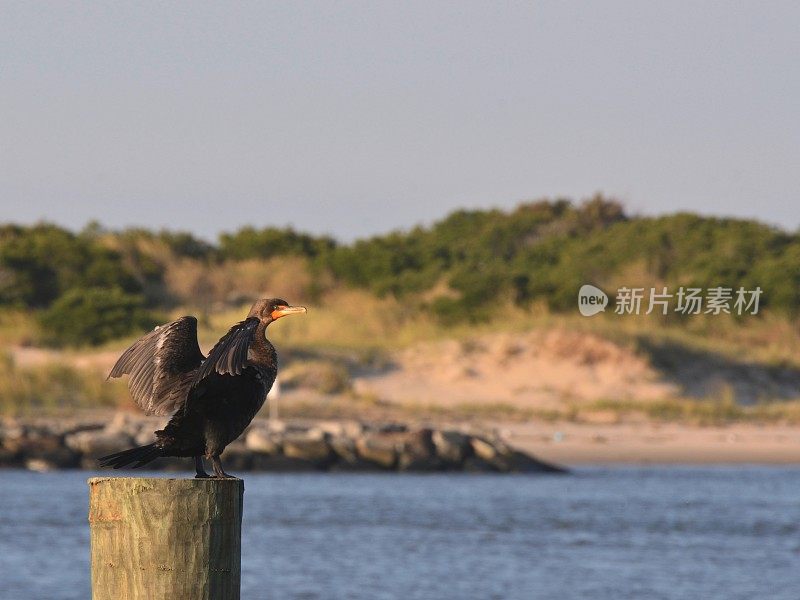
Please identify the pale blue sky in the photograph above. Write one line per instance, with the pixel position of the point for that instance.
(357, 118)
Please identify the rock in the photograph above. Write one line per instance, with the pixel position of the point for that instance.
(418, 452)
(123, 423)
(344, 448)
(475, 464)
(300, 429)
(76, 427)
(347, 458)
(451, 446)
(483, 449)
(519, 462)
(88, 463)
(311, 449)
(40, 441)
(499, 445)
(392, 428)
(346, 445)
(359, 465)
(276, 426)
(351, 429)
(94, 444)
(39, 465)
(331, 428)
(48, 459)
(14, 439)
(262, 442)
(59, 457)
(8, 458)
(378, 449)
(315, 433)
(40, 445)
(13, 436)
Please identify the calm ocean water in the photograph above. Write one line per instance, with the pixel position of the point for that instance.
(602, 533)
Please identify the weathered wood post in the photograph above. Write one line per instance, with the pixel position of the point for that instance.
(165, 538)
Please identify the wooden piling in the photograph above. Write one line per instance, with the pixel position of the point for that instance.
(165, 538)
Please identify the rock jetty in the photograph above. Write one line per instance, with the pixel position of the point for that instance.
(269, 445)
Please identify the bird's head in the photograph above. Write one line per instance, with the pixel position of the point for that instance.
(272, 309)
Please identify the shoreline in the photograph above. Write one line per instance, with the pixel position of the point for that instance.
(567, 444)
(571, 444)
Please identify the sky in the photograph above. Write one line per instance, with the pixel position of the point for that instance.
(355, 118)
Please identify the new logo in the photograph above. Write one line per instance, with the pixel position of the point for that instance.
(591, 300)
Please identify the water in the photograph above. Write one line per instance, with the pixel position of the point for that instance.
(604, 533)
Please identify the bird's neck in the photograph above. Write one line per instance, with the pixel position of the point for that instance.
(261, 332)
(262, 351)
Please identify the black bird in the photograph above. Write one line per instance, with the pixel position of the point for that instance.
(211, 399)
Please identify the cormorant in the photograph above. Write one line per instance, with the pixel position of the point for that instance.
(211, 399)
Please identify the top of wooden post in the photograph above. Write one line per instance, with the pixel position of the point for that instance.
(186, 480)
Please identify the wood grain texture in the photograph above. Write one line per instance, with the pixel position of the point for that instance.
(165, 538)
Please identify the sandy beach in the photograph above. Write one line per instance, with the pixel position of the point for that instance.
(572, 444)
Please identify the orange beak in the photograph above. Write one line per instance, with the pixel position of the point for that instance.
(283, 311)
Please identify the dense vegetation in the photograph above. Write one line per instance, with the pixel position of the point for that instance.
(95, 285)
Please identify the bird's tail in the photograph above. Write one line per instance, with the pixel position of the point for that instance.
(141, 456)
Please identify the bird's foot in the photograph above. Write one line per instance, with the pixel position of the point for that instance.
(200, 468)
(219, 472)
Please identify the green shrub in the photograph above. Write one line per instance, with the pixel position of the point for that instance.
(93, 316)
(39, 263)
(249, 242)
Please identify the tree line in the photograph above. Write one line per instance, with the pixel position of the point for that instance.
(96, 284)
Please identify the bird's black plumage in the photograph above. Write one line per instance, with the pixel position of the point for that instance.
(161, 366)
(211, 399)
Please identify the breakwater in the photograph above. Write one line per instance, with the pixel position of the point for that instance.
(269, 445)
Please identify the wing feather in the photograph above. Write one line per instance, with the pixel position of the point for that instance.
(161, 365)
(229, 355)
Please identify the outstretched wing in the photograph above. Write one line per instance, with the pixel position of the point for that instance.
(161, 366)
(229, 355)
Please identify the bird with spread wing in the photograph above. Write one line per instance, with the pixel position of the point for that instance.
(211, 399)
